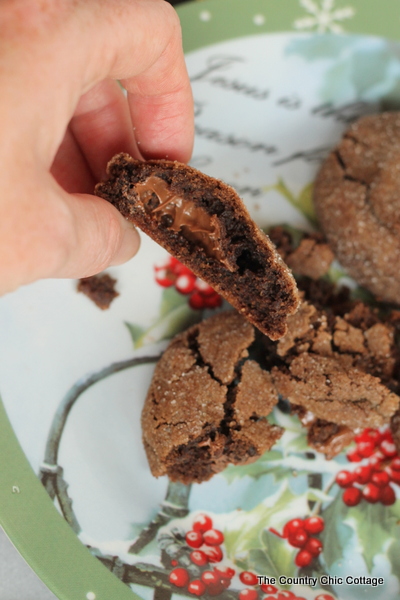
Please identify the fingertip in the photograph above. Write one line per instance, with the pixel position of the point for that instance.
(129, 246)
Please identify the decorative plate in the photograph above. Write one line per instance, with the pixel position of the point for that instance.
(275, 84)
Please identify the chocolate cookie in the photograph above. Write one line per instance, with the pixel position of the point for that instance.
(357, 201)
(207, 403)
(203, 222)
(342, 369)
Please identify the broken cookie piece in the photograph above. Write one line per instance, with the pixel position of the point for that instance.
(207, 403)
(99, 288)
(203, 223)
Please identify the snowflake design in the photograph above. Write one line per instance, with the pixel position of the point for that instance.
(323, 16)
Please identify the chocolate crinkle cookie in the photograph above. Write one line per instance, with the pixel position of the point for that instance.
(357, 201)
(343, 369)
(204, 224)
(208, 402)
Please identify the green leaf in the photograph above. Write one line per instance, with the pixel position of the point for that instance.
(393, 555)
(170, 300)
(136, 332)
(303, 202)
(245, 531)
(274, 559)
(336, 533)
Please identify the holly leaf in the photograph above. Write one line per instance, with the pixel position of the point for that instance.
(393, 555)
(303, 202)
(170, 300)
(374, 525)
(274, 559)
(244, 532)
(136, 332)
(336, 533)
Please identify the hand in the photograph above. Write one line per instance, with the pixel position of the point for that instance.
(64, 115)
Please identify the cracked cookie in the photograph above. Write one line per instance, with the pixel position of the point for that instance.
(341, 368)
(357, 201)
(207, 402)
(203, 222)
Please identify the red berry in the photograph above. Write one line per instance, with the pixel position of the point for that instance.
(366, 449)
(393, 475)
(204, 288)
(248, 595)
(179, 577)
(292, 526)
(344, 478)
(163, 278)
(225, 582)
(210, 577)
(314, 546)
(196, 587)
(194, 539)
(395, 464)
(375, 462)
(387, 496)
(213, 553)
(225, 571)
(185, 284)
(352, 496)
(388, 449)
(314, 525)
(387, 435)
(213, 301)
(213, 537)
(353, 456)
(268, 589)
(362, 474)
(196, 301)
(299, 538)
(202, 523)
(371, 493)
(285, 594)
(180, 269)
(198, 558)
(215, 589)
(380, 479)
(303, 559)
(174, 563)
(324, 597)
(248, 578)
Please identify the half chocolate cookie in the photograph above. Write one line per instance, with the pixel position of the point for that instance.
(203, 223)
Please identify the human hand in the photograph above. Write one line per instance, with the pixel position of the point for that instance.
(64, 115)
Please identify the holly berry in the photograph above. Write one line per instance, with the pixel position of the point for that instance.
(202, 523)
(393, 475)
(324, 597)
(196, 301)
(371, 493)
(354, 456)
(285, 594)
(213, 537)
(185, 283)
(303, 558)
(215, 589)
(352, 496)
(213, 301)
(225, 571)
(314, 546)
(213, 553)
(194, 539)
(268, 589)
(375, 462)
(362, 474)
(395, 464)
(380, 479)
(163, 278)
(174, 563)
(344, 478)
(299, 538)
(388, 449)
(366, 449)
(225, 582)
(387, 496)
(291, 526)
(314, 524)
(210, 577)
(248, 595)
(198, 558)
(248, 578)
(179, 577)
(197, 587)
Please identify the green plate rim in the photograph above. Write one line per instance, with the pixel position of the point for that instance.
(27, 513)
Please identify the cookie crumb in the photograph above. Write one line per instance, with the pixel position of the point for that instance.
(99, 288)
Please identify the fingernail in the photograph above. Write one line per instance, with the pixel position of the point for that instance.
(129, 245)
